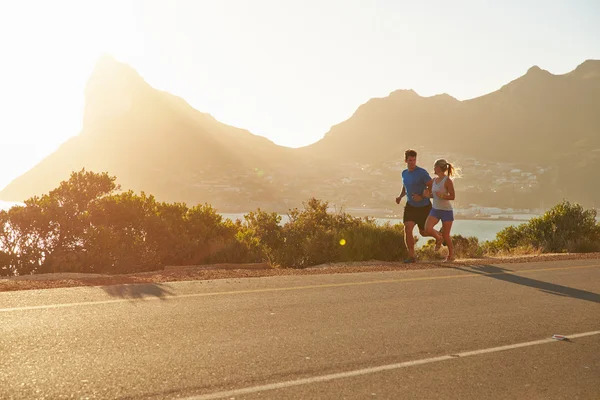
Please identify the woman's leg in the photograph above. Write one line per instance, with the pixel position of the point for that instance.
(430, 230)
(447, 226)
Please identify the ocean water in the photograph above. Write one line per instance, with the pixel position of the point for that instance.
(481, 229)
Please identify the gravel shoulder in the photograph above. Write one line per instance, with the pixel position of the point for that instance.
(228, 271)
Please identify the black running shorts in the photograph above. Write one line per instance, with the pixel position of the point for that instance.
(418, 215)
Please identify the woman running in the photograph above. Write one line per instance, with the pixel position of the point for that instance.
(441, 190)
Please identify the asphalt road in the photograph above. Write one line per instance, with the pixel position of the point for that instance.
(463, 332)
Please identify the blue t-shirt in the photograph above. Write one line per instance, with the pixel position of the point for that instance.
(415, 183)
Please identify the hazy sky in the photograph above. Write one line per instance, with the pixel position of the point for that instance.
(285, 70)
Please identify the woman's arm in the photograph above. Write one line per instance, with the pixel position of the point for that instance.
(450, 189)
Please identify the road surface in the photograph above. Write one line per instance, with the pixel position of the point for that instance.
(461, 332)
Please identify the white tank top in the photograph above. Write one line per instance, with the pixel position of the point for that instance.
(440, 204)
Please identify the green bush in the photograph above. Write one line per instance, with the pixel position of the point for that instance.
(311, 235)
(427, 252)
(5, 262)
(84, 226)
(261, 233)
(464, 247)
(467, 247)
(368, 241)
(566, 227)
(314, 236)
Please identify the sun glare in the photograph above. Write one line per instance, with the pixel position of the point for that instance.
(53, 48)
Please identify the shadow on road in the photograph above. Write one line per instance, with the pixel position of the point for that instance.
(546, 287)
(138, 291)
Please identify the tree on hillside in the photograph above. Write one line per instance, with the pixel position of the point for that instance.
(49, 230)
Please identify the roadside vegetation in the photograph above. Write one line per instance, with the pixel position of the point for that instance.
(89, 225)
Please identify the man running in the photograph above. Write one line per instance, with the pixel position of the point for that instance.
(416, 210)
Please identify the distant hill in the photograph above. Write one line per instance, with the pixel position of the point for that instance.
(156, 142)
(531, 117)
(549, 120)
(152, 141)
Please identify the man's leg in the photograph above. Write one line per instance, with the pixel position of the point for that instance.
(409, 227)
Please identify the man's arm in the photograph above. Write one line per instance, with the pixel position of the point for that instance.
(427, 192)
(402, 194)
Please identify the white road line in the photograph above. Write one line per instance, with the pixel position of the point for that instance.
(293, 288)
(65, 305)
(372, 370)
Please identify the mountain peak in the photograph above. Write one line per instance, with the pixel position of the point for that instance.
(595, 64)
(536, 71)
(112, 89)
(108, 70)
(443, 97)
(534, 77)
(587, 69)
(404, 93)
(106, 59)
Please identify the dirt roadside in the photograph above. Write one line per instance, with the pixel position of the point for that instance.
(212, 272)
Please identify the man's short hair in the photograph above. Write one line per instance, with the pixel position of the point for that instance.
(410, 153)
